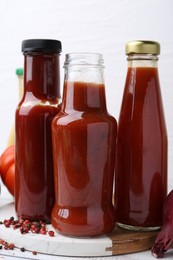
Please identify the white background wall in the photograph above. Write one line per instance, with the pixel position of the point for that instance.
(92, 26)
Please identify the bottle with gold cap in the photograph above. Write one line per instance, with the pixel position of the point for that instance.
(141, 164)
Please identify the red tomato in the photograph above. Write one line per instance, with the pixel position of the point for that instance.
(7, 168)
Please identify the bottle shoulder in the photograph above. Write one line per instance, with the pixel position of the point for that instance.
(31, 103)
(77, 117)
(29, 97)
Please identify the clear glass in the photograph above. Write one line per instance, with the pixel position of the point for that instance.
(142, 60)
(85, 67)
(84, 137)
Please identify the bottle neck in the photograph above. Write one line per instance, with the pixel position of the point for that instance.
(84, 88)
(142, 73)
(142, 60)
(84, 97)
(41, 75)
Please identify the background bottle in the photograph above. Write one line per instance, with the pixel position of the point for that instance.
(34, 182)
(19, 73)
(141, 168)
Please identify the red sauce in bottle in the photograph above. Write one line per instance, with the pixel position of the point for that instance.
(84, 137)
(34, 184)
(141, 181)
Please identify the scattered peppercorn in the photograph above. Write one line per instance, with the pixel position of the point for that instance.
(51, 233)
(25, 226)
(24, 230)
(6, 246)
(7, 222)
(43, 231)
(11, 246)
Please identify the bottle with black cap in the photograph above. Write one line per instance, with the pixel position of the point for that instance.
(34, 182)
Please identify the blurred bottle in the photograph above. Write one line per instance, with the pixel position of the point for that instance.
(19, 73)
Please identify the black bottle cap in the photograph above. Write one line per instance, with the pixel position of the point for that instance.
(41, 45)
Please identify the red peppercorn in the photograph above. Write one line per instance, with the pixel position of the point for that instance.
(21, 221)
(24, 230)
(35, 229)
(7, 223)
(6, 247)
(26, 222)
(43, 231)
(17, 225)
(1, 241)
(51, 233)
(11, 246)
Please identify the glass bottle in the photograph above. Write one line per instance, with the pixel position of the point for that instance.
(84, 137)
(19, 73)
(141, 168)
(34, 182)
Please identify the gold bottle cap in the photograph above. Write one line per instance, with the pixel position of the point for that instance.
(142, 47)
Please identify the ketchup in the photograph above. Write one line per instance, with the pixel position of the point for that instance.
(141, 172)
(84, 137)
(34, 179)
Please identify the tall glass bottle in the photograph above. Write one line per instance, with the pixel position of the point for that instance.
(34, 182)
(84, 137)
(19, 73)
(141, 168)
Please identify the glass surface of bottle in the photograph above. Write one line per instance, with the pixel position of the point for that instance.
(84, 138)
(19, 73)
(34, 180)
(141, 164)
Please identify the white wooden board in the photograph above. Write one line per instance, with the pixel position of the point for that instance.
(57, 245)
(119, 241)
